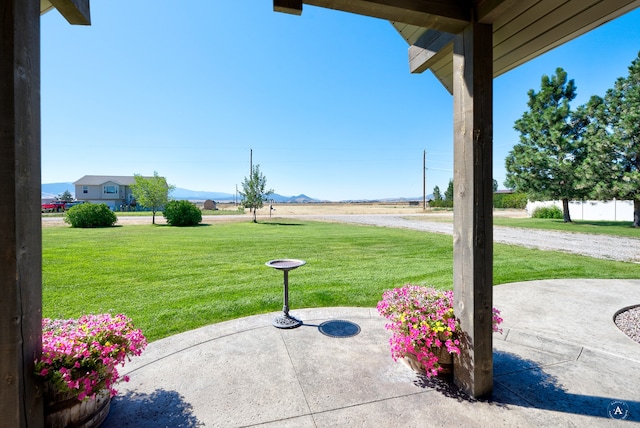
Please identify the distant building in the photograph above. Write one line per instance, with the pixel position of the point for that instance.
(112, 190)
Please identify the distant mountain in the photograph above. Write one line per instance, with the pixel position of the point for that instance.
(195, 195)
(179, 193)
(51, 190)
(300, 199)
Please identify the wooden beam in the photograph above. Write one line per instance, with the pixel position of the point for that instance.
(20, 218)
(441, 15)
(428, 49)
(45, 6)
(76, 12)
(472, 216)
(443, 70)
(293, 7)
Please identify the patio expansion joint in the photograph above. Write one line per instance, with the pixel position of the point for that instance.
(515, 393)
(366, 403)
(293, 366)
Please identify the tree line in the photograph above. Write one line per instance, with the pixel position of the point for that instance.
(591, 152)
(500, 200)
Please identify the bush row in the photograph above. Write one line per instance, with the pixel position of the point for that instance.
(89, 215)
(500, 200)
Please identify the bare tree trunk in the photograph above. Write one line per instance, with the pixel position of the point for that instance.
(565, 210)
(636, 213)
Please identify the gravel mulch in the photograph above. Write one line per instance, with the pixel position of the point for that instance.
(629, 322)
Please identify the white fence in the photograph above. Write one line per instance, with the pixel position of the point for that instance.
(591, 210)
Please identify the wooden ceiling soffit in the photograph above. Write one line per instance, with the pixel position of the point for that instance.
(522, 30)
(553, 28)
(76, 12)
(441, 15)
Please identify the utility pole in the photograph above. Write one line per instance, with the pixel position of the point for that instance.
(424, 180)
(251, 171)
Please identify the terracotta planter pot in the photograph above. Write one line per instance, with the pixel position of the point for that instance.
(63, 410)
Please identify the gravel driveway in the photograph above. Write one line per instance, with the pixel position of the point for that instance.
(599, 246)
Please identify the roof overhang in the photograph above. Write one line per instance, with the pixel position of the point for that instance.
(522, 29)
(76, 12)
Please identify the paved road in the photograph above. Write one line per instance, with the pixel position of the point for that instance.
(599, 246)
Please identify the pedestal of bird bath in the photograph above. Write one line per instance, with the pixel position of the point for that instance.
(285, 320)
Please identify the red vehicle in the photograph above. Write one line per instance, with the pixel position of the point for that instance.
(53, 207)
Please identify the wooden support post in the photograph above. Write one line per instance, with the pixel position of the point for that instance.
(20, 222)
(293, 7)
(473, 217)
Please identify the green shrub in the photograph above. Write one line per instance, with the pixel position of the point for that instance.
(441, 204)
(510, 200)
(515, 200)
(548, 212)
(90, 215)
(182, 213)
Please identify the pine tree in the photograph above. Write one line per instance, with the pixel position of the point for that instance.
(544, 163)
(612, 169)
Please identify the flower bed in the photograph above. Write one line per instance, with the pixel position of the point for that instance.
(422, 322)
(81, 355)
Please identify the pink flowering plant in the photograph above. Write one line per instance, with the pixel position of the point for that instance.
(422, 322)
(81, 355)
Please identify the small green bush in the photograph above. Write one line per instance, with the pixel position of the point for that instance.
(441, 204)
(90, 215)
(182, 213)
(510, 200)
(515, 200)
(548, 212)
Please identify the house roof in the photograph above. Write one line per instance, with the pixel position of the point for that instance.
(97, 180)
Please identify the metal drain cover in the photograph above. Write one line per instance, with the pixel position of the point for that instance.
(339, 328)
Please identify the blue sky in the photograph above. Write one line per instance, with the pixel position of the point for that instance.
(325, 100)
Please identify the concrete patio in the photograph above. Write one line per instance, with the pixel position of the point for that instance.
(560, 362)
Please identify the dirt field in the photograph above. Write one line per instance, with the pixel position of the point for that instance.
(337, 208)
(359, 208)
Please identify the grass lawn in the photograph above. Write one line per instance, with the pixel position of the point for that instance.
(617, 228)
(170, 279)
